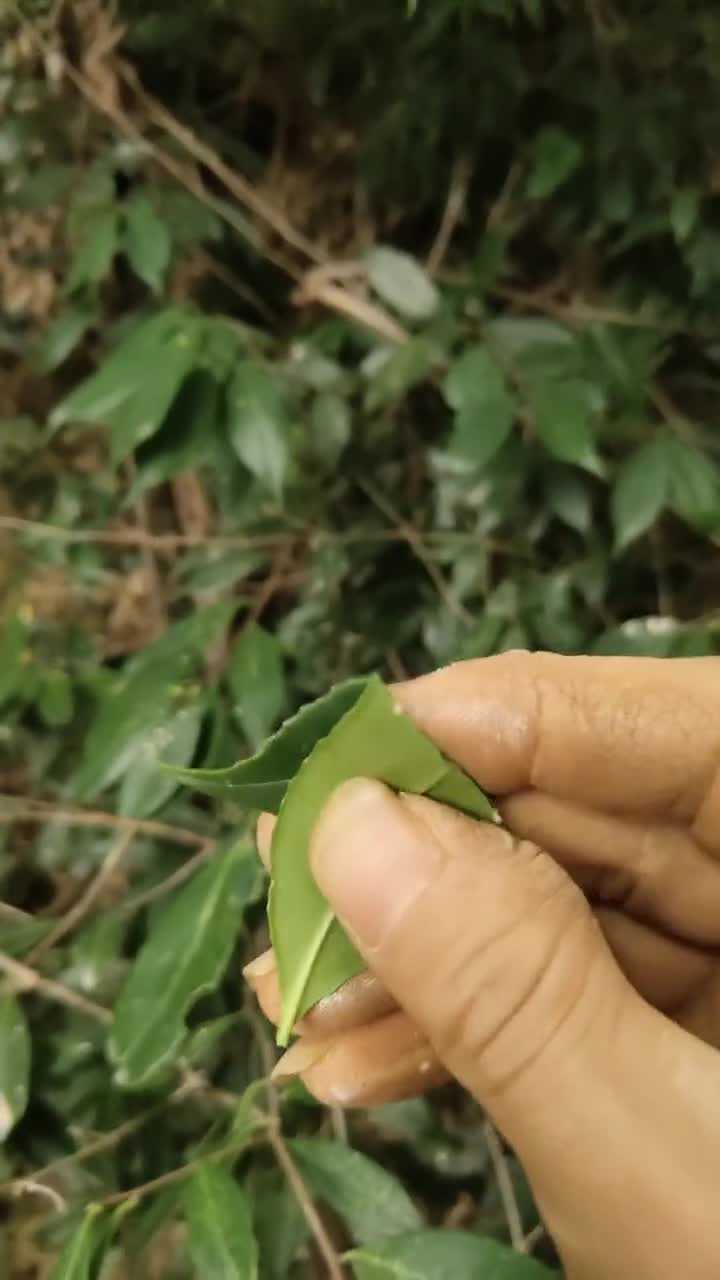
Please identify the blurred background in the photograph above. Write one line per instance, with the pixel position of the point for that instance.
(333, 338)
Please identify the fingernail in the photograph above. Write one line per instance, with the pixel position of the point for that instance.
(259, 967)
(299, 1057)
(371, 858)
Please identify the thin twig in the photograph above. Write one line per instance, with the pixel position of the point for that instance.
(43, 811)
(275, 1137)
(158, 891)
(80, 909)
(510, 1205)
(414, 540)
(452, 213)
(23, 978)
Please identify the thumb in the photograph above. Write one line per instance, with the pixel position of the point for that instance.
(488, 946)
(494, 954)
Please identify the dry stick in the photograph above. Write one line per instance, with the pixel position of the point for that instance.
(80, 909)
(43, 811)
(505, 1187)
(24, 978)
(166, 886)
(414, 540)
(452, 213)
(275, 1137)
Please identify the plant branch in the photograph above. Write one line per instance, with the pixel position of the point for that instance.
(22, 978)
(43, 811)
(80, 909)
(510, 1205)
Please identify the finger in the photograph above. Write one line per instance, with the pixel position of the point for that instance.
(654, 870)
(263, 835)
(360, 1001)
(385, 1061)
(666, 973)
(633, 735)
(494, 955)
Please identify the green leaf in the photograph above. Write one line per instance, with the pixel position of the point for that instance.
(15, 1054)
(221, 1239)
(640, 492)
(485, 408)
(259, 425)
(78, 1257)
(694, 485)
(185, 955)
(146, 242)
(261, 781)
(369, 1200)
(13, 641)
(563, 420)
(143, 700)
(374, 739)
(445, 1255)
(134, 387)
(187, 438)
(55, 700)
(330, 427)
(144, 788)
(93, 259)
(63, 336)
(257, 681)
(556, 155)
(401, 282)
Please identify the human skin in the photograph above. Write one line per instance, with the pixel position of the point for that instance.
(564, 968)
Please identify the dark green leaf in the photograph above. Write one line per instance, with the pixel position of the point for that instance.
(485, 408)
(55, 700)
(401, 282)
(563, 420)
(221, 1237)
(640, 492)
(369, 1200)
(64, 335)
(555, 157)
(92, 261)
(78, 1257)
(12, 651)
(444, 1255)
(15, 1053)
(145, 789)
(259, 425)
(146, 241)
(184, 956)
(694, 482)
(257, 681)
(280, 1227)
(330, 427)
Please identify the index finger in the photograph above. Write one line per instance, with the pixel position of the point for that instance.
(627, 735)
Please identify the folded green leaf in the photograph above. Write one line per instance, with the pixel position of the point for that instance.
(221, 1238)
(373, 739)
(185, 955)
(261, 781)
(77, 1258)
(15, 1049)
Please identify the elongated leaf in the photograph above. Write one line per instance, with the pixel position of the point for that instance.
(143, 789)
(640, 492)
(556, 155)
(374, 739)
(563, 418)
(401, 282)
(221, 1238)
(694, 485)
(445, 1255)
(280, 1228)
(93, 259)
(77, 1258)
(259, 425)
(15, 1051)
(261, 781)
(257, 681)
(184, 956)
(485, 408)
(134, 387)
(371, 1202)
(146, 241)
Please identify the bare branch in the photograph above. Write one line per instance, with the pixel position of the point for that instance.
(23, 978)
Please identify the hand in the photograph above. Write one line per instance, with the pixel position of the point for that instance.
(565, 970)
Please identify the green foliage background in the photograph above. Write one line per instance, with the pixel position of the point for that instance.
(334, 337)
